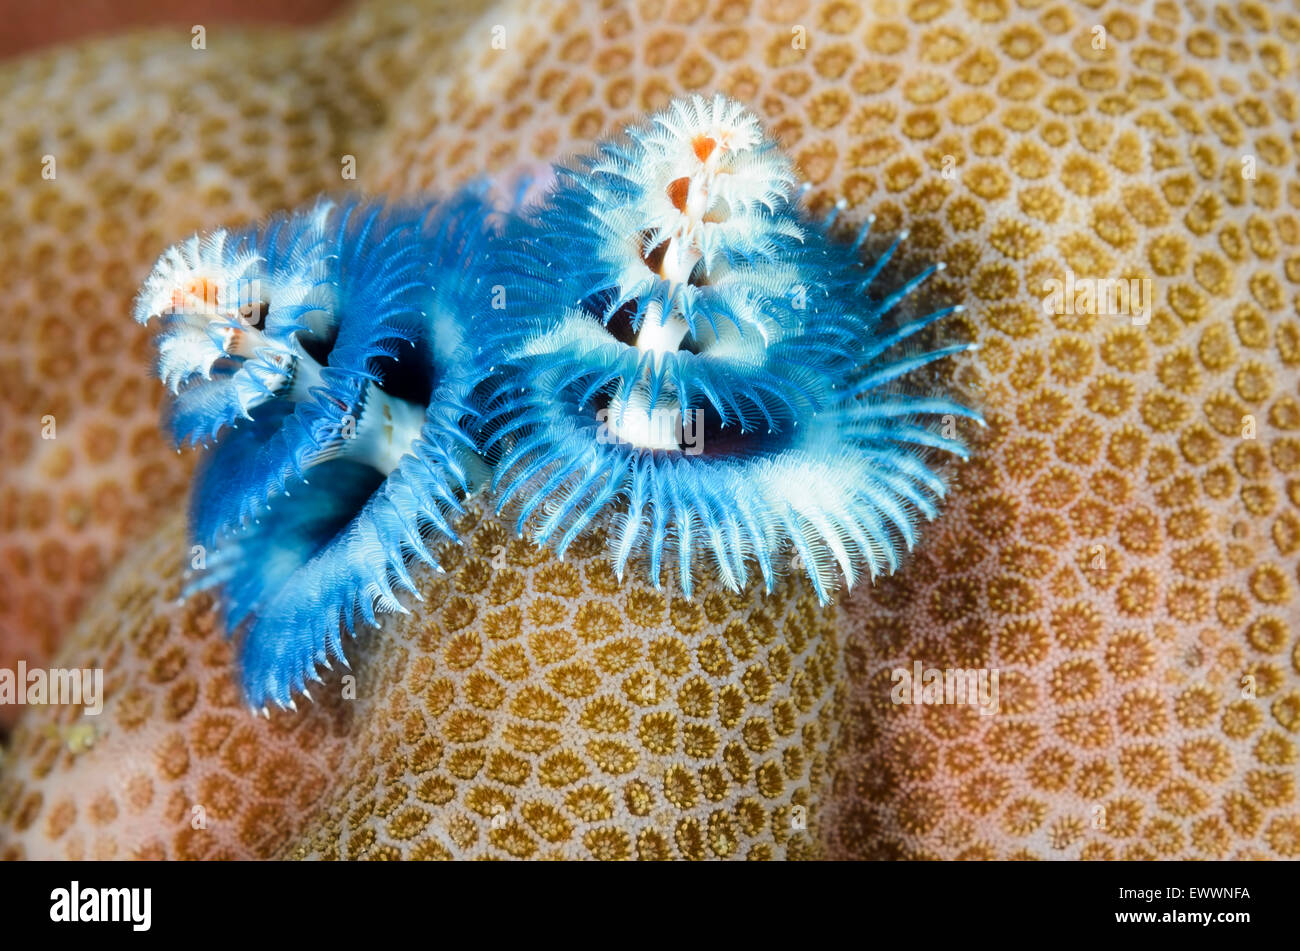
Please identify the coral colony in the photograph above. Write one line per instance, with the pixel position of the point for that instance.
(663, 345)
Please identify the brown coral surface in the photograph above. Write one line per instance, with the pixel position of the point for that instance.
(1123, 549)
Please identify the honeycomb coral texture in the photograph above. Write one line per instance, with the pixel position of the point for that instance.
(535, 708)
(1119, 548)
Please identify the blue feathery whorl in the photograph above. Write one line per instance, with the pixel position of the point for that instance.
(666, 346)
(323, 352)
(671, 342)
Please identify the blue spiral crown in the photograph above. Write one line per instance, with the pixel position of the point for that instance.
(665, 346)
(680, 348)
(323, 354)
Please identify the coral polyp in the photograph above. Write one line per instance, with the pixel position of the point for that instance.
(708, 370)
(322, 352)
